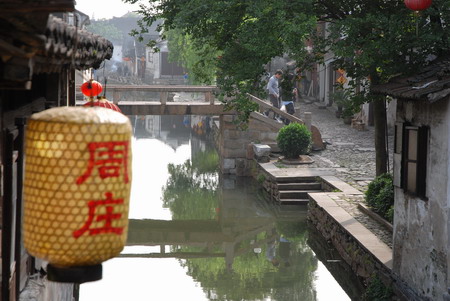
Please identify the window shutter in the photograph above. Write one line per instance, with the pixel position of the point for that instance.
(398, 143)
(422, 150)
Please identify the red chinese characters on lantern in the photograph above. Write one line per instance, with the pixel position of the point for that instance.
(106, 218)
(109, 157)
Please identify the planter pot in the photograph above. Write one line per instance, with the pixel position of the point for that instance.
(302, 159)
(338, 112)
(347, 120)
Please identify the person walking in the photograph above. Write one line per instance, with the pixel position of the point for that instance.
(274, 93)
(288, 94)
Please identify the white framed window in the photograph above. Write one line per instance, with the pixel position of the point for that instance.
(412, 143)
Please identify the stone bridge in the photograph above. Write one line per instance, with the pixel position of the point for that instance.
(234, 145)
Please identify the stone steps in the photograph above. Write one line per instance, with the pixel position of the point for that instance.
(294, 201)
(295, 179)
(295, 194)
(285, 212)
(293, 190)
(300, 186)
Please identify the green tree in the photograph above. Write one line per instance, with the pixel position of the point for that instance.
(246, 34)
(191, 190)
(372, 41)
(199, 59)
(375, 40)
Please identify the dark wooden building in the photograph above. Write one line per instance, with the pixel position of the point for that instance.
(39, 53)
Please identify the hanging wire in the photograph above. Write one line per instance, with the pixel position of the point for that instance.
(105, 79)
(386, 137)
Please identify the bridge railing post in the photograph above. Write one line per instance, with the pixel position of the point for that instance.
(163, 97)
(116, 96)
(209, 97)
(308, 120)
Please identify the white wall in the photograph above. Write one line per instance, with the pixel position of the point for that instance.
(117, 53)
(421, 227)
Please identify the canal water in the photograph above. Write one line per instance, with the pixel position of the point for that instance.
(196, 235)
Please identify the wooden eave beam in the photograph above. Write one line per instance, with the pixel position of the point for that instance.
(23, 6)
(7, 49)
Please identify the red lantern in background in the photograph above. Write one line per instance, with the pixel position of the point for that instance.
(418, 4)
(102, 102)
(91, 88)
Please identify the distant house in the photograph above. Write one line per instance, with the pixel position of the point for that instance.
(137, 58)
(39, 55)
(422, 178)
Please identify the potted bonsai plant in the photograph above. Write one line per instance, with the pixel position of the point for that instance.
(345, 103)
(294, 140)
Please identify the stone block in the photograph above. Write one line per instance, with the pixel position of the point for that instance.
(229, 163)
(254, 135)
(234, 153)
(250, 152)
(228, 118)
(358, 124)
(232, 134)
(261, 150)
(228, 126)
(317, 142)
(241, 163)
(229, 183)
(258, 126)
(235, 144)
(272, 136)
(265, 159)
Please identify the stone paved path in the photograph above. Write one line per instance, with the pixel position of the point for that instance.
(352, 154)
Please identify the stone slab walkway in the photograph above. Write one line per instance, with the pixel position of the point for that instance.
(349, 157)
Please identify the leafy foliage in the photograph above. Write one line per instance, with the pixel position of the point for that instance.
(191, 190)
(371, 40)
(380, 196)
(379, 39)
(294, 140)
(287, 86)
(348, 100)
(377, 290)
(246, 35)
(199, 59)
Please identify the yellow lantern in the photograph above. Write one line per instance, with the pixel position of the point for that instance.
(77, 188)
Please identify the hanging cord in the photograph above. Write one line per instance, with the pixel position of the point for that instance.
(105, 80)
(386, 135)
(91, 98)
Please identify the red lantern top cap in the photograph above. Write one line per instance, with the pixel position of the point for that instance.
(91, 88)
(418, 4)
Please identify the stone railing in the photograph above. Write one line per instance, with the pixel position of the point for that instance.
(263, 106)
(163, 90)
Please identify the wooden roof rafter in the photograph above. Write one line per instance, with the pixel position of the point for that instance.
(35, 6)
(432, 83)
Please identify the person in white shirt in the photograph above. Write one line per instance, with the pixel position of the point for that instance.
(274, 92)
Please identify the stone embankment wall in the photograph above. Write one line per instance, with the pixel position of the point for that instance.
(362, 262)
(235, 145)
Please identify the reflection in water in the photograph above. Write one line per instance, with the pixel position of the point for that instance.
(230, 242)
